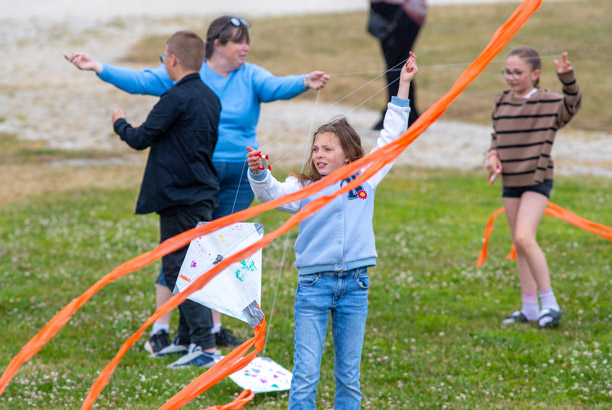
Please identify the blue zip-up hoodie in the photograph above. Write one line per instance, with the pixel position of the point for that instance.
(340, 236)
(241, 94)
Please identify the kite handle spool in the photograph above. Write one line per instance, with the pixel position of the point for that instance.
(264, 162)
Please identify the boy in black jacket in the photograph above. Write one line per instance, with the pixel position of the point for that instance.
(180, 182)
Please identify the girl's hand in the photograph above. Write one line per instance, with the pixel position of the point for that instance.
(254, 160)
(564, 66)
(493, 165)
(410, 69)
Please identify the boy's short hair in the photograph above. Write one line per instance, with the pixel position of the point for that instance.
(188, 48)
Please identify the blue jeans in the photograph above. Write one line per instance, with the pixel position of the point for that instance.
(345, 295)
(235, 192)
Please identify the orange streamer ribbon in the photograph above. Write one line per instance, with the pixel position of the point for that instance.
(551, 210)
(375, 161)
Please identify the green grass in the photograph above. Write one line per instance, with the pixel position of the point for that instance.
(433, 338)
(450, 39)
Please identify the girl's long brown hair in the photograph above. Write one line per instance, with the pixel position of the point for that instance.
(349, 140)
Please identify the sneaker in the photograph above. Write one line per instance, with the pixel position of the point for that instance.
(224, 338)
(174, 348)
(194, 357)
(516, 317)
(157, 342)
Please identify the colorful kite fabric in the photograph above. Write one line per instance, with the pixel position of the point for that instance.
(236, 291)
(263, 375)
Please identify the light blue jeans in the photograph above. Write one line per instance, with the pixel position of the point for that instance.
(345, 295)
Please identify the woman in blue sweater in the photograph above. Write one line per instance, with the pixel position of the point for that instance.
(333, 250)
(241, 87)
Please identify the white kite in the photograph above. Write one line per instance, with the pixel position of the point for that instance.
(236, 291)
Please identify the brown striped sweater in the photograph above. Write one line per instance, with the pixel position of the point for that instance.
(525, 129)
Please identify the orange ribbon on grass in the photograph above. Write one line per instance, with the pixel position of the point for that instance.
(551, 210)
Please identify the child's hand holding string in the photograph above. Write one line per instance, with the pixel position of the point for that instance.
(409, 71)
(257, 162)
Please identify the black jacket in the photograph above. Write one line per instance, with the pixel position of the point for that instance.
(181, 130)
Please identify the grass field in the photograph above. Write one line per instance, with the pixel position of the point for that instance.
(434, 338)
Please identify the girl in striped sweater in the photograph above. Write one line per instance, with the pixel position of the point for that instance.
(525, 121)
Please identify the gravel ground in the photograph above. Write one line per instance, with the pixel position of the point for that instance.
(45, 99)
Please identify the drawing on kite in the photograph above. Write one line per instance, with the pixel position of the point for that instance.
(236, 291)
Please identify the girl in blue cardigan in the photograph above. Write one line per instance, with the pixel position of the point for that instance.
(333, 250)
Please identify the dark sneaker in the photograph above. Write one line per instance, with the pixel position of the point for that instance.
(195, 356)
(157, 342)
(173, 348)
(549, 318)
(224, 338)
(516, 317)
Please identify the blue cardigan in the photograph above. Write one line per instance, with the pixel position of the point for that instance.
(241, 94)
(340, 236)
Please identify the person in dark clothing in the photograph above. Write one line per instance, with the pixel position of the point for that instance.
(180, 182)
(408, 17)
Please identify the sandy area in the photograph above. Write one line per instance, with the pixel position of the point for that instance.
(46, 99)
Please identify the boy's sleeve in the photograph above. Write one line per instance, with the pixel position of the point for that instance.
(159, 120)
(266, 188)
(147, 82)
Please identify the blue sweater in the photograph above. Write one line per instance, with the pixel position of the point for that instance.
(241, 94)
(340, 236)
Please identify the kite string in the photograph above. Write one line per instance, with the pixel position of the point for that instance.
(327, 108)
(286, 241)
(333, 105)
(421, 67)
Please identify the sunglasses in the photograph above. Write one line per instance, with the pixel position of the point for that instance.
(234, 21)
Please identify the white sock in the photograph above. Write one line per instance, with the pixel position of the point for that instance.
(216, 328)
(158, 326)
(548, 301)
(530, 309)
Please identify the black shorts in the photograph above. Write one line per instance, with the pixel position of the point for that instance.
(543, 188)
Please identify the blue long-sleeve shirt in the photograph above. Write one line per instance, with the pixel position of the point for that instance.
(241, 94)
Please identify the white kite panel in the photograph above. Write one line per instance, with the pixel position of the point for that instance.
(237, 289)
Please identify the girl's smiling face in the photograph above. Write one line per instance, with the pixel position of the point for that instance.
(327, 153)
(519, 75)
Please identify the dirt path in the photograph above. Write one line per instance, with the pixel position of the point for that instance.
(46, 99)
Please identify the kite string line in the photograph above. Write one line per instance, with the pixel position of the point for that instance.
(278, 279)
(286, 240)
(283, 157)
(426, 66)
(329, 107)
(334, 104)
(370, 97)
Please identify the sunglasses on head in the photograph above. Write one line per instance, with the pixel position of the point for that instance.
(234, 21)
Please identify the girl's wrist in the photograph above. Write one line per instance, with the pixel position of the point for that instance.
(493, 154)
